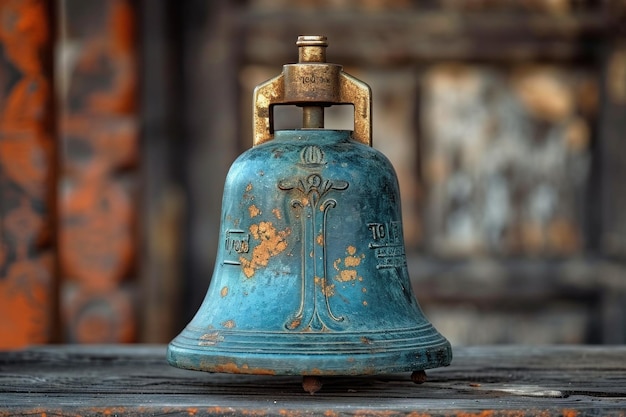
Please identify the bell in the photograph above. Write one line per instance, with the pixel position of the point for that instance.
(311, 276)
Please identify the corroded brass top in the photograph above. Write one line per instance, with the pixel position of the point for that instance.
(312, 48)
(312, 84)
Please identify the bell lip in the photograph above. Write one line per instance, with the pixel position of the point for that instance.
(376, 363)
(341, 353)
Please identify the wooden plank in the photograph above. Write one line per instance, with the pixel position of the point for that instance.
(482, 381)
(27, 174)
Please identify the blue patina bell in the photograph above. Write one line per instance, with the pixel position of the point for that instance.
(311, 276)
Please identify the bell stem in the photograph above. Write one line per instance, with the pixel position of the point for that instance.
(313, 117)
(312, 49)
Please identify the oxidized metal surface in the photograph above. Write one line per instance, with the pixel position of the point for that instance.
(311, 275)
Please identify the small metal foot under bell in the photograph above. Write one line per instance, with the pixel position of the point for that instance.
(311, 384)
(418, 377)
(311, 276)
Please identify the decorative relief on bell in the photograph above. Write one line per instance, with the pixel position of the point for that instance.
(311, 205)
(312, 155)
(236, 243)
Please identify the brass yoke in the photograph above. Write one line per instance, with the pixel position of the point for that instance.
(312, 84)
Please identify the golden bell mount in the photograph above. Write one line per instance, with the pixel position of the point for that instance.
(312, 84)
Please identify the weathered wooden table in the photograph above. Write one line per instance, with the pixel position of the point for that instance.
(482, 381)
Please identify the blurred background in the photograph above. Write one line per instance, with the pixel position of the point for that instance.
(505, 121)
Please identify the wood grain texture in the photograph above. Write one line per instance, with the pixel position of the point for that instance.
(482, 381)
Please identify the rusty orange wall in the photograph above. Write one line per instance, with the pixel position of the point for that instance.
(67, 179)
(99, 132)
(27, 165)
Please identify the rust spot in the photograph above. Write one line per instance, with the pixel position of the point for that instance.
(336, 264)
(209, 339)
(346, 275)
(484, 413)
(364, 289)
(271, 243)
(366, 341)
(294, 324)
(224, 291)
(232, 368)
(365, 303)
(254, 211)
(328, 290)
(353, 261)
(277, 213)
(569, 413)
(320, 239)
(229, 324)
(350, 261)
(192, 411)
(249, 188)
(228, 368)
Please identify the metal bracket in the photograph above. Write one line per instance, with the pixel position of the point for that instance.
(312, 84)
